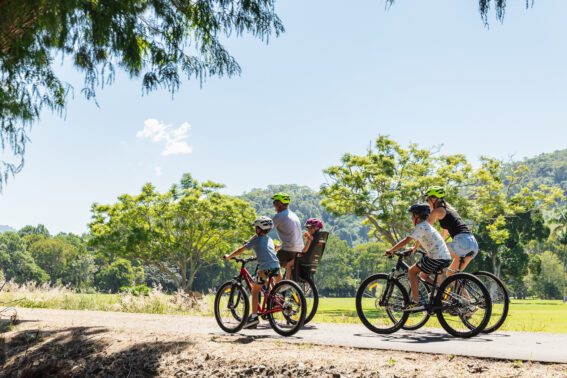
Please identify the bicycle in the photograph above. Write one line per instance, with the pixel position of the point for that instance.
(461, 302)
(283, 304)
(498, 295)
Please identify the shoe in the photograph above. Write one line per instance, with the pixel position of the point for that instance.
(252, 322)
(415, 306)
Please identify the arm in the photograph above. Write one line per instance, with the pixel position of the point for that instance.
(436, 214)
(308, 240)
(235, 253)
(401, 244)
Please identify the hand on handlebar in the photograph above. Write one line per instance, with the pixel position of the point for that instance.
(226, 257)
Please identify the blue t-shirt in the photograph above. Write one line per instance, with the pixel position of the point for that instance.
(265, 252)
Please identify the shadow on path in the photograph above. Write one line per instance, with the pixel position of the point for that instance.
(77, 351)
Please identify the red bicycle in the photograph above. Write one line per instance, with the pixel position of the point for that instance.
(283, 303)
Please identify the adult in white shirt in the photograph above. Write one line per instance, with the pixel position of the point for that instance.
(288, 228)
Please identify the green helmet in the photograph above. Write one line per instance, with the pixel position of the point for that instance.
(435, 191)
(282, 197)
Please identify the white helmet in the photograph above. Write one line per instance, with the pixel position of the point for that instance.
(265, 223)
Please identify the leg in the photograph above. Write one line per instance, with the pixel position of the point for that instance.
(289, 269)
(412, 275)
(256, 289)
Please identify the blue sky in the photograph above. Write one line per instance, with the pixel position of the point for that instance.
(337, 78)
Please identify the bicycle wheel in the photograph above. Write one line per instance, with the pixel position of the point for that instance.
(463, 305)
(380, 304)
(311, 297)
(286, 308)
(231, 307)
(500, 300)
(415, 320)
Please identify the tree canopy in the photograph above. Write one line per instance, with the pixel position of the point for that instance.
(159, 41)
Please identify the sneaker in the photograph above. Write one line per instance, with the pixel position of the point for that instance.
(415, 306)
(252, 321)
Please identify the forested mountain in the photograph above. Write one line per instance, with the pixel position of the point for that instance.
(549, 168)
(306, 203)
(5, 228)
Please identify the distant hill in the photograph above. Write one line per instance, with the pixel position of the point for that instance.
(550, 168)
(306, 203)
(4, 228)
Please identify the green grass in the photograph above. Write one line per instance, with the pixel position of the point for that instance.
(524, 315)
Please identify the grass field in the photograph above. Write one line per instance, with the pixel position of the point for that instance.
(524, 315)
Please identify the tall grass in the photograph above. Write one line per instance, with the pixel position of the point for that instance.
(155, 302)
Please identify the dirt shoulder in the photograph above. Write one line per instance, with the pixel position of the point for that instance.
(47, 344)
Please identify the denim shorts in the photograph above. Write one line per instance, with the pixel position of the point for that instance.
(462, 244)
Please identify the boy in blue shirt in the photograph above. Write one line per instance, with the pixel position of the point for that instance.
(268, 263)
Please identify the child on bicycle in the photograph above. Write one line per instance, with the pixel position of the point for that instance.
(268, 263)
(437, 255)
(313, 226)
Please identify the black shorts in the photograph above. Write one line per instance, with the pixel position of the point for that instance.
(285, 257)
(430, 266)
(267, 273)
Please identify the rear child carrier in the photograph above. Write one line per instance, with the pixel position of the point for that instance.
(309, 261)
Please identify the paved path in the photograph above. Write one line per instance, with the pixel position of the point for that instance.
(546, 347)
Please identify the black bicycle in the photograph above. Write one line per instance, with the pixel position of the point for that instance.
(461, 302)
(498, 295)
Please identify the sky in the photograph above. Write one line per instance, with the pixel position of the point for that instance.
(336, 79)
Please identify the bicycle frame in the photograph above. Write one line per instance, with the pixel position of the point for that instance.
(247, 277)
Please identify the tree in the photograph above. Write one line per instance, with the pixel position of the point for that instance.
(158, 41)
(54, 256)
(17, 263)
(559, 234)
(380, 185)
(508, 208)
(335, 275)
(115, 276)
(178, 232)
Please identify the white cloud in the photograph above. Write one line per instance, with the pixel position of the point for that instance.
(174, 138)
(157, 171)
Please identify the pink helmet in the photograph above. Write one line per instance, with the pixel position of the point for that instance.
(314, 222)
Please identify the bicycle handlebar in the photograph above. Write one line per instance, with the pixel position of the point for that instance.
(238, 259)
(405, 253)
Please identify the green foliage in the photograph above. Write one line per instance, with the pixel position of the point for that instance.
(335, 275)
(546, 276)
(53, 256)
(158, 41)
(116, 276)
(178, 232)
(383, 183)
(306, 203)
(17, 263)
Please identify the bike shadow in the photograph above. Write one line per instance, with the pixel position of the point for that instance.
(422, 337)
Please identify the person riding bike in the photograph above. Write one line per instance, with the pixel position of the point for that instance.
(463, 242)
(288, 228)
(268, 263)
(437, 255)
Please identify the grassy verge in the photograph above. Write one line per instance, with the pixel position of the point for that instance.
(524, 315)
(156, 302)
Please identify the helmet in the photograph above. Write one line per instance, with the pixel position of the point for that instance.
(435, 191)
(314, 222)
(282, 197)
(265, 223)
(421, 209)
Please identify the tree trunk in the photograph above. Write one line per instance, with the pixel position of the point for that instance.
(495, 263)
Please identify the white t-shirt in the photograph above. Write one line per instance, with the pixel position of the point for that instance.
(431, 241)
(288, 227)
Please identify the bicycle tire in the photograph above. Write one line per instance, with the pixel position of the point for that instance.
(499, 316)
(416, 320)
(242, 298)
(312, 288)
(370, 284)
(280, 293)
(448, 303)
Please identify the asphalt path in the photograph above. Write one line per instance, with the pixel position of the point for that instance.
(544, 347)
